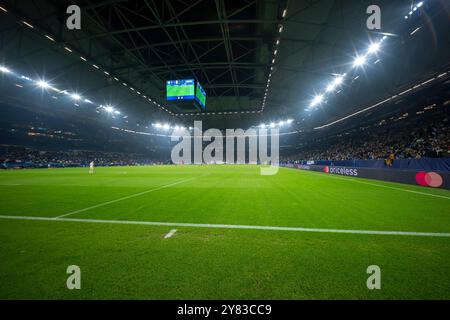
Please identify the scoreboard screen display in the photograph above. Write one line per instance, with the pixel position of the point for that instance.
(200, 95)
(180, 89)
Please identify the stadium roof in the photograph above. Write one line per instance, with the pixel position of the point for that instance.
(238, 50)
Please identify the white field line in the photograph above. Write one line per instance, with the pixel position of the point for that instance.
(170, 234)
(231, 226)
(125, 198)
(355, 179)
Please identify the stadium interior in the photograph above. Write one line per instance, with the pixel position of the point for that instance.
(362, 116)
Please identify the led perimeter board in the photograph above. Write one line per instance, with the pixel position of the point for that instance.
(180, 89)
(200, 96)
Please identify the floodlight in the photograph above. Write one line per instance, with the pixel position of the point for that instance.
(317, 100)
(272, 125)
(374, 47)
(166, 126)
(330, 87)
(359, 61)
(420, 4)
(338, 80)
(4, 69)
(116, 111)
(43, 84)
(28, 25)
(75, 96)
(289, 121)
(281, 123)
(109, 109)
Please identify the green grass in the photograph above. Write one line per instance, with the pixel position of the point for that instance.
(180, 90)
(135, 261)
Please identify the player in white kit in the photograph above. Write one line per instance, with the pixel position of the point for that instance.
(91, 167)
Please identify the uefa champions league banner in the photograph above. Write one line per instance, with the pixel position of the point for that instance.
(422, 178)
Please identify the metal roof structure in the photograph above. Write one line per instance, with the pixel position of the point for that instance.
(258, 60)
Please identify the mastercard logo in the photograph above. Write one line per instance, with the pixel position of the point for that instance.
(429, 179)
(326, 169)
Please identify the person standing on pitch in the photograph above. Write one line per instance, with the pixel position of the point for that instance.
(91, 167)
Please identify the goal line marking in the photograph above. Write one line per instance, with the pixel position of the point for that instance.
(231, 226)
(125, 198)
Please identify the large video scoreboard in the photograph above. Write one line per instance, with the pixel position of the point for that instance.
(180, 89)
(185, 90)
(200, 95)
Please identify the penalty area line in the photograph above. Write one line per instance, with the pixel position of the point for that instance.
(125, 198)
(170, 234)
(231, 226)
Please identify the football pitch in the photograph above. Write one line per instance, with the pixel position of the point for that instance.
(180, 90)
(219, 232)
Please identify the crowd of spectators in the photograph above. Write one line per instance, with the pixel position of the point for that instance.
(430, 139)
(388, 141)
(21, 157)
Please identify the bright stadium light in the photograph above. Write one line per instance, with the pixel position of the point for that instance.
(116, 111)
(281, 123)
(158, 125)
(75, 96)
(166, 126)
(359, 61)
(331, 87)
(43, 84)
(4, 69)
(317, 100)
(272, 125)
(109, 109)
(374, 47)
(289, 121)
(338, 80)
